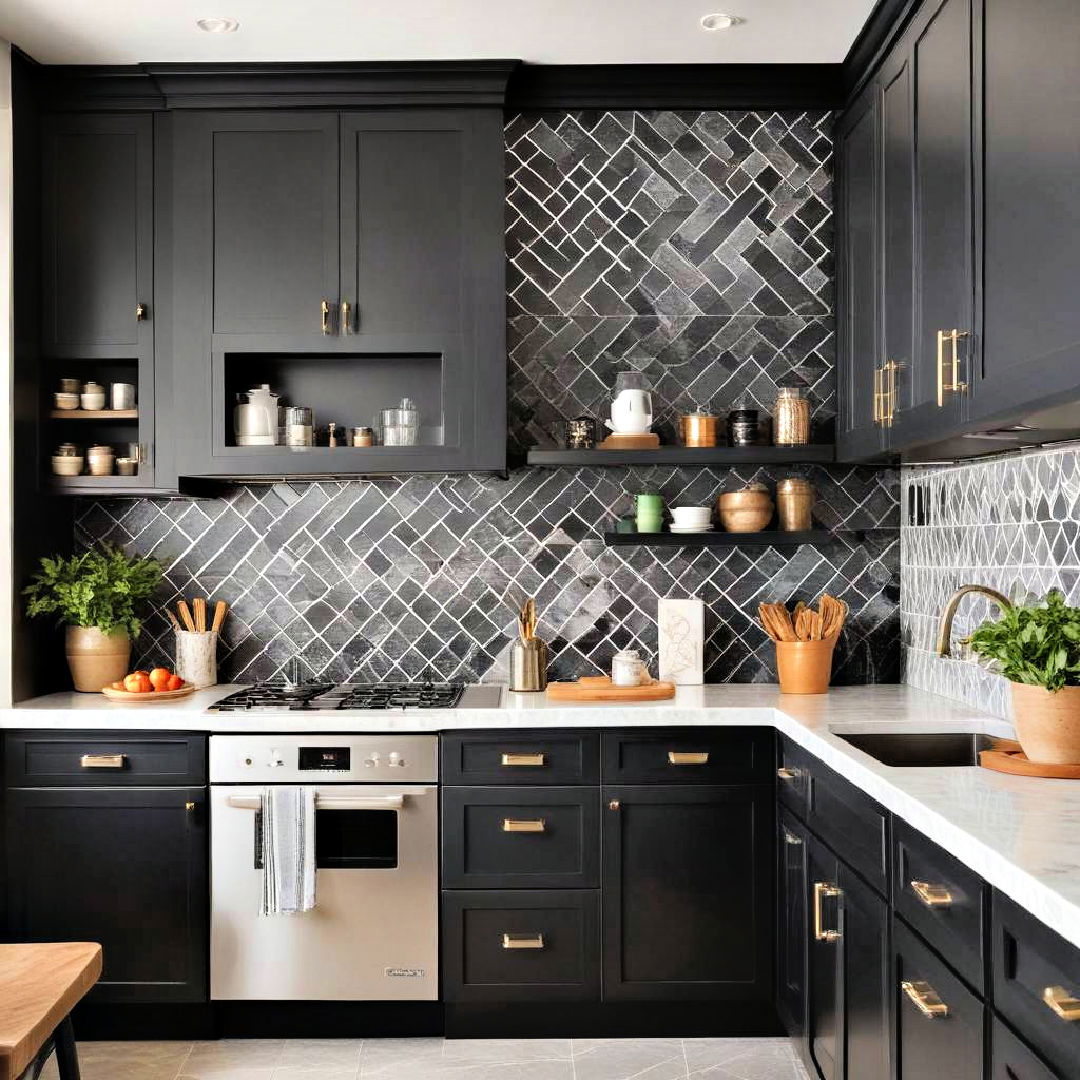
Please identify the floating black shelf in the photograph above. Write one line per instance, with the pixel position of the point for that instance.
(768, 538)
(689, 455)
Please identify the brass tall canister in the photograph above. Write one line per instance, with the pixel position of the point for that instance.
(794, 504)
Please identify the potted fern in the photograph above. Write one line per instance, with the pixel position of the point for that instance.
(1037, 648)
(96, 595)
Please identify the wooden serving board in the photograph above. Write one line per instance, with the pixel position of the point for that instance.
(146, 699)
(1007, 757)
(649, 441)
(600, 688)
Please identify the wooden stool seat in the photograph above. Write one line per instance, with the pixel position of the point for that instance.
(39, 986)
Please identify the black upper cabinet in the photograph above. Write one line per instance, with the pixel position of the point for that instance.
(348, 260)
(1031, 217)
(687, 893)
(861, 434)
(98, 236)
(126, 867)
(267, 188)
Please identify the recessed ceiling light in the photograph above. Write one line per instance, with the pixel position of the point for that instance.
(223, 25)
(719, 22)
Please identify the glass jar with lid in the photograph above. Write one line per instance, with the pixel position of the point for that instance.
(791, 417)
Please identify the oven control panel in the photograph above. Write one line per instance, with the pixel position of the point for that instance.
(298, 759)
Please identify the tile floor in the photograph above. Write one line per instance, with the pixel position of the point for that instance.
(439, 1059)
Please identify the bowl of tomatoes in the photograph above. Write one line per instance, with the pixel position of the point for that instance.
(160, 684)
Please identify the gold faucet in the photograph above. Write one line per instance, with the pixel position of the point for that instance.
(947, 616)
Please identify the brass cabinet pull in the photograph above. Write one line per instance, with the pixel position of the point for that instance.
(512, 825)
(791, 838)
(102, 761)
(785, 773)
(523, 941)
(1062, 1003)
(140, 312)
(924, 997)
(955, 385)
(823, 889)
(933, 896)
(346, 317)
(614, 804)
(888, 392)
(878, 374)
(680, 757)
(528, 760)
(189, 806)
(324, 312)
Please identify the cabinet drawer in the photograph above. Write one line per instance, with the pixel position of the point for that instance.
(1011, 1059)
(103, 759)
(939, 1021)
(942, 899)
(793, 765)
(565, 757)
(538, 838)
(850, 822)
(521, 946)
(1036, 977)
(687, 756)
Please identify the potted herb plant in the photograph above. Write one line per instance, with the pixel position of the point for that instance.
(96, 595)
(1037, 648)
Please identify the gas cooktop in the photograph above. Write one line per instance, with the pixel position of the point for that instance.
(328, 696)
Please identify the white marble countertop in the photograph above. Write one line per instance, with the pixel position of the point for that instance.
(1021, 834)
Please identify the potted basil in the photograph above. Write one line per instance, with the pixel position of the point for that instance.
(1037, 648)
(96, 595)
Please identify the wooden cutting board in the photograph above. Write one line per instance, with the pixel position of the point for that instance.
(600, 688)
(1007, 757)
(649, 441)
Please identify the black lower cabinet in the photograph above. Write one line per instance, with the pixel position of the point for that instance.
(1013, 1059)
(687, 892)
(825, 963)
(940, 1023)
(792, 876)
(125, 867)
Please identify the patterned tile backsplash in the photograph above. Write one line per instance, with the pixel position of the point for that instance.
(391, 579)
(1012, 523)
(694, 246)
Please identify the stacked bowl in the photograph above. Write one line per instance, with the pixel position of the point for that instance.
(691, 519)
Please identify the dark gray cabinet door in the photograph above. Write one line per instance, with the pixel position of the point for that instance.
(405, 262)
(687, 893)
(940, 43)
(258, 221)
(126, 867)
(1031, 216)
(792, 926)
(825, 962)
(98, 236)
(858, 346)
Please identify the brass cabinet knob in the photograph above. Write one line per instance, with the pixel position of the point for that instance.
(613, 805)
(189, 806)
(140, 313)
(784, 773)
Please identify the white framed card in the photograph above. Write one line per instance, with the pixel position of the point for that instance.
(681, 634)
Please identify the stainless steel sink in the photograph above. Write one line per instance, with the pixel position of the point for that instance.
(920, 749)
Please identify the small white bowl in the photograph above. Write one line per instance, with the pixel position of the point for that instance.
(691, 515)
(67, 466)
(66, 401)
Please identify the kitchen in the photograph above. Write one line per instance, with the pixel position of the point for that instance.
(370, 403)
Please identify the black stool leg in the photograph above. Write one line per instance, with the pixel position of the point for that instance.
(67, 1058)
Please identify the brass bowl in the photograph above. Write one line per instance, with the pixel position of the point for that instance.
(745, 511)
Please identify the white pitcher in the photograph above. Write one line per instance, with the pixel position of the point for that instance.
(631, 412)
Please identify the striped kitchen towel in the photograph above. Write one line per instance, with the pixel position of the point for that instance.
(288, 844)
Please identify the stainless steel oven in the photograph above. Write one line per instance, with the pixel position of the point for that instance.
(373, 934)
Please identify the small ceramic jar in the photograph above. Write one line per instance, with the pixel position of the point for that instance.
(100, 459)
(66, 400)
(92, 397)
(628, 669)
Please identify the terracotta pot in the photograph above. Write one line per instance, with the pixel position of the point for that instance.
(1048, 724)
(96, 659)
(745, 511)
(805, 667)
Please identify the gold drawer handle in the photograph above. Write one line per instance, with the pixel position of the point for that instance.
(791, 838)
(933, 896)
(822, 890)
(1062, 1002)
(532, 760)
(924, 997)
(512, 825)
(102, 761)
(680, 757)
(523, 941)
(784, 773)
(324, 316)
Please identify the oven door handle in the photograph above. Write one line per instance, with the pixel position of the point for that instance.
(331, 802)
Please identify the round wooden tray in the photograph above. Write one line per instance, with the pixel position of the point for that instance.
(146, 699)
(1007, 757)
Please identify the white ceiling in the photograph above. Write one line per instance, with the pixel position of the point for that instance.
(539, 31)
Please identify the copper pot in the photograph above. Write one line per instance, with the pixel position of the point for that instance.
(746, 511)
(698, 428)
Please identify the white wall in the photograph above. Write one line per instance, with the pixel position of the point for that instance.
(7, 344)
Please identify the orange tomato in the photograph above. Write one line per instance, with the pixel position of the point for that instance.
(174, 683)
(160, 677)
(137, 683)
